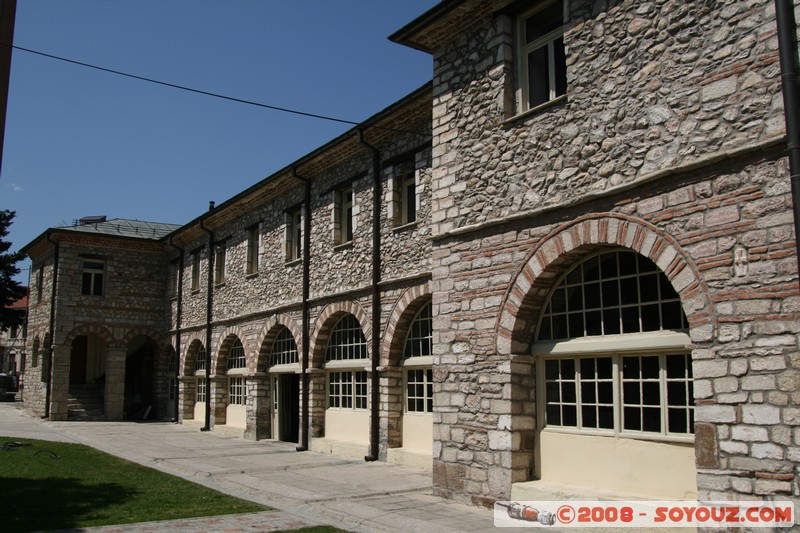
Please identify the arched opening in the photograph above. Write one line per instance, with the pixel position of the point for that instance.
(236, 366)
(87, 376)
(194, 393)
(140, 398)
(417, 363)
(347, 405)
(284, 367)
(614, 396)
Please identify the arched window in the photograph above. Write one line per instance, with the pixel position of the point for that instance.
(200, 360)
(347, 389)
(613, 349)
(237, 390)
(417, 366)
(236, 355)
(284, 350)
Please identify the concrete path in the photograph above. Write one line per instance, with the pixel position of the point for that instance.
(305, 488)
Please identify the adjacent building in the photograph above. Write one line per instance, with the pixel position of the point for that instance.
(566, 266)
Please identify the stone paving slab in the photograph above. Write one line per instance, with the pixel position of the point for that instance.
(305, 488)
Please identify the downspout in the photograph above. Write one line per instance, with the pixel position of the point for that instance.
(209, 313)
(787, 46)
(178, 316)
(51, 333)
(304, 408)
(377, 195)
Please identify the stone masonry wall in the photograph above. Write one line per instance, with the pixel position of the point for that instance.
(671, 125)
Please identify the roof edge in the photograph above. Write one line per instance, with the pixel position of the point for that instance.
(405, 34)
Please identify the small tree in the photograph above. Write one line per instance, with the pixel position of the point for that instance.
(10, 289)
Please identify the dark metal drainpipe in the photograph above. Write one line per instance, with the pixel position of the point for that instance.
(209, 314)
(304, 408)
(787, 45)
(178, 316)
(50, 346)
(377, 195)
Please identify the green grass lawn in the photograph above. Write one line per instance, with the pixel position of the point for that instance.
(54, 485)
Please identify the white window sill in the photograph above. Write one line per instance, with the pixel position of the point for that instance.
(343, 246)
(293, 262)
(405, 227)
(686, 439)
(534, 110)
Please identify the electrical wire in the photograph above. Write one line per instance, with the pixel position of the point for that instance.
(208, 93)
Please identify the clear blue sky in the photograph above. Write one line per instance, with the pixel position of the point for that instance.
(81, 142)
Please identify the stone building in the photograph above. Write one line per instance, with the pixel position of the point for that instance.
(565, 267)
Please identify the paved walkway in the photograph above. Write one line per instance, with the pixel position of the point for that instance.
(305, 488)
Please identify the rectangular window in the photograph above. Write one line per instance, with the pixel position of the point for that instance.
(408, 199)
(219, 263)
(343, 215)
(195, 281)
(252, 249)
(419, 390)
(347, 390)
(39, 284)
(627, 394)
(92, 283)
(294, 234)
(201, 390)
(237, 391)
(172, 278)
(542, 58)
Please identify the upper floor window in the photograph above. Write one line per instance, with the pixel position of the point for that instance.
(219, 263)
(343, 215)
(408, 198)
(236, 357)
(200, 361)
(294, 234)
(542, 59)
(174, 272)
(195, 280)
(39, 284)
(252, 250)
(92, 283)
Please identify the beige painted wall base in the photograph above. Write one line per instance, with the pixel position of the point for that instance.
(337, 447)
(229, 431)
(415, 458)
(192, 423)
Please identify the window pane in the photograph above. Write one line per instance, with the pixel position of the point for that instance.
(605, 417)
(604, 367)
(553, 415)
(538, 77)
(594, 323)
(543, 22)
(591, 293)
(632, 418)
(650, 367)
(576, 325)
(570, 416)
(589, 416)
(651, 419)
(560, 66)
(651, 393)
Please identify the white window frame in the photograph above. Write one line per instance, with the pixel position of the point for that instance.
(95, 269)
(407, 199)
(236, 356)
(418, 388)
(237, 390)
(617, 397)
(524, 50)
(201, 395)
(284, 349)
(348, 390)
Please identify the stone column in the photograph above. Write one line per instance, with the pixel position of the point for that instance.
(59, 385)
(391, 410)
(259, 422)
(218, 396)
(115, 382)
(186, 397)
(523, 417)
(316, 401)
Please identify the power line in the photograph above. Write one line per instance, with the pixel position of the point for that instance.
(206, 93)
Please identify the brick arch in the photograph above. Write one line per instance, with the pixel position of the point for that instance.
(90, 329)
(189, 354)
(572, 241)
(220, 358)
(403, 313)
(132, 333)
(269, 332)
(325, 322)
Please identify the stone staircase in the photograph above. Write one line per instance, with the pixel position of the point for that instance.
(86, 402)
